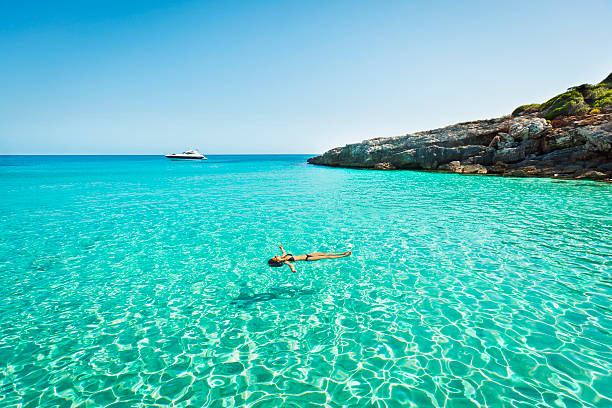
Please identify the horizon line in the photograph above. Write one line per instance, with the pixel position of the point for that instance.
(162, 155)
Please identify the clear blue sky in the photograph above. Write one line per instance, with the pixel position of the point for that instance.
(151, 77)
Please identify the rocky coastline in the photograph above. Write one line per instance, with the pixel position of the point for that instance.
(525, 144)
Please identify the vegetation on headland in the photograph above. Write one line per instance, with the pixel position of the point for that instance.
(526, 109)
(578, 100)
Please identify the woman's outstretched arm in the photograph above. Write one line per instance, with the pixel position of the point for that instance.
(290, 265)
(282, 250)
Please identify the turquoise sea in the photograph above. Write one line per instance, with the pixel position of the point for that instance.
(138, 281)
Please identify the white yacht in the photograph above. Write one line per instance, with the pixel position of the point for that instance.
(190, 154)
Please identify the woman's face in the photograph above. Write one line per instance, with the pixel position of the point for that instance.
(277, 258)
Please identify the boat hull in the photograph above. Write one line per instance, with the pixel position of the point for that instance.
(184, 157)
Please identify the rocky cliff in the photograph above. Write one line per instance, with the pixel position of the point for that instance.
(524, 144)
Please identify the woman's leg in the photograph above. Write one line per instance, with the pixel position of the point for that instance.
(313, 257)
(328, 253)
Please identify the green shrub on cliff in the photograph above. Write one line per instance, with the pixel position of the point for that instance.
(592, 93)
(568, 103)
(526, 109)
(577, 100)
(604, 102)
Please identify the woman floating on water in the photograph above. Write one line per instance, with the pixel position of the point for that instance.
(286, 259)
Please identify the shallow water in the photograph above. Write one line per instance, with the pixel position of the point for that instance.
(139, 281)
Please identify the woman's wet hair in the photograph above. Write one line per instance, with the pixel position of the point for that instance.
(274, 264)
